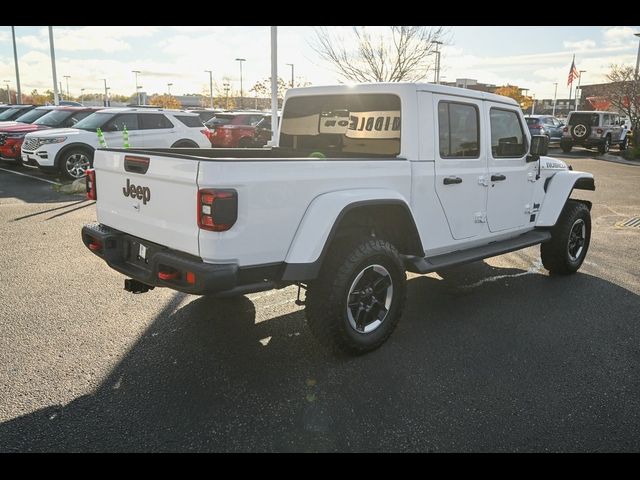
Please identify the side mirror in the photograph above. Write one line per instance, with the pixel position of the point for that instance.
(539, 147)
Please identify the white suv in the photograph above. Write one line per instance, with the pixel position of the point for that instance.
(70, 150)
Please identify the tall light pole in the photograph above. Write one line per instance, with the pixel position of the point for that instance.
(436, 73)
(15, 60)
(533, 103)
(8, 91)
(226, 94)
(210, 86)
(241, 91)
(555, 94)
(67, 77)
(274, 82)
(578, 88)
(169, 88)
(106, 98)
(292, 77)
(56, 99)
(137, 87)
(82, 95)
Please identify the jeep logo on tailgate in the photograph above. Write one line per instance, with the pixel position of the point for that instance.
(136, 191)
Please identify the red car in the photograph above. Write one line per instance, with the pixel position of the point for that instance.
(233, 130)
(12, 136)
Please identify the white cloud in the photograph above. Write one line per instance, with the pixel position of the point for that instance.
(619, 36)
(580, 45)
(105, 39)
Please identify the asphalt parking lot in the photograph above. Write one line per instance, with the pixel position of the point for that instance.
(494, 356)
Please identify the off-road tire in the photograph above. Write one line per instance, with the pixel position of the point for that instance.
(555, 253)
(605, 145)
(327, 297)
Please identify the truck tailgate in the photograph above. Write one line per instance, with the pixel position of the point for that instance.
(149, 196)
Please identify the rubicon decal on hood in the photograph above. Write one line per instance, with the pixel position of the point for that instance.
(136, 191)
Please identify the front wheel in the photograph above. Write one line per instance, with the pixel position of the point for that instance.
(357, 301)
(75, 162)
(570, 238)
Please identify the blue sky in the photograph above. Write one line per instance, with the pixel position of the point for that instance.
(530, 57)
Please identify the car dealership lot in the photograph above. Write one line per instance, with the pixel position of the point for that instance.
(493, 356)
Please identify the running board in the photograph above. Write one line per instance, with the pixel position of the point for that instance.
(427, 265)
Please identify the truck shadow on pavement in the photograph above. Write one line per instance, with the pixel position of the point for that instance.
(485, 359)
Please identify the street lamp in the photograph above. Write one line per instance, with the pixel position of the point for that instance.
(292, 77)
(82, 94)
(210, 86)
(226, 93)
(580, 72)
(241, 91)
(15, 60)
(533, 103)
(67, 77)
(555, 94)
(169, 88)
(56, 99)
(106, 101)
(436, 73)
(137, 72)
(8, 91)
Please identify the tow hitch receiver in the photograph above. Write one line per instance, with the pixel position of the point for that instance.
(134, 286)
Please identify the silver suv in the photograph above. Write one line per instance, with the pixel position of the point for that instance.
(594, 129)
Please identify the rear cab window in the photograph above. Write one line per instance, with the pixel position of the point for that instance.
(366, 125)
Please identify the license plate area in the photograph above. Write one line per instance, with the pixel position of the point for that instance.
(139, 253)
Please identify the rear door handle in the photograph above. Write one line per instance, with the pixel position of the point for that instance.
(452, 180)
(498, 178)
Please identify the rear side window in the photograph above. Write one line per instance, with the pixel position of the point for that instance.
(189, 121)
(507, 136)
(76, 117)
(458, 130)
(532, 121)
(154, 121)
(360, 124)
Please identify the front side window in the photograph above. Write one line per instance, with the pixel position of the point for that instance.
(507, 135)
(458, 130)
(359, 124)
(117, 124)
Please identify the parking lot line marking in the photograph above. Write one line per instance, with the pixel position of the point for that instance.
(31, 176)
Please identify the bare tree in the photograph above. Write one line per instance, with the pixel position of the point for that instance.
(399, 54)
(624, 92)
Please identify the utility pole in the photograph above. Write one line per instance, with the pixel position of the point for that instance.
(274, 82)
(226, 94)
(241, 91)
(67, 77)
(210, 87)
(292, 76)
(82, 95)
(56, 99)
(578, 88)
(533, 103)
(555, 94)
(436, 73)
(137, 87)
(169, 88)
(106, 98)
(8, 92)
(15, 60)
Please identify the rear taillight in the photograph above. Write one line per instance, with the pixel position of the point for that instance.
(92, 193)
(565, 129)
(206, 132)
(217, 209)
(599, 131)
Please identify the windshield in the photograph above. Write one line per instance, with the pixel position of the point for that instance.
(32, 115)
(11, 113)
(53, 118)
(96, 120)
(364, 124)
(589, 118)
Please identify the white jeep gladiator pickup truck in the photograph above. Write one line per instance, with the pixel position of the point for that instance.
(366, 182)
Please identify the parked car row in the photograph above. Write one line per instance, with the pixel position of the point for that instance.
(64, 139)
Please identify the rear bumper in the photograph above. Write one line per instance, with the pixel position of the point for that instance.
(121, 252)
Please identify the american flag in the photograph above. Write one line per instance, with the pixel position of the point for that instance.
(573, 72)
